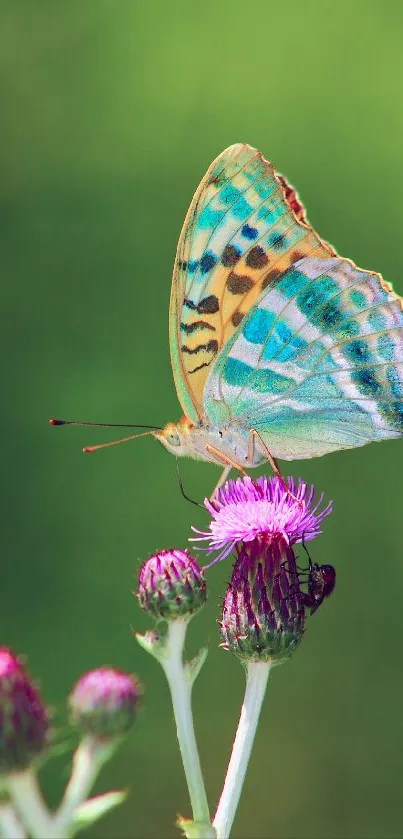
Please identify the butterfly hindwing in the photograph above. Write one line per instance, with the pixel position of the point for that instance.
(244, 228)
(316, 364)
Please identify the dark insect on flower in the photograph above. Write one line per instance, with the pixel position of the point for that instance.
(321, 582)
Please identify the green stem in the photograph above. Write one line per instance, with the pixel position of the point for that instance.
(90, 756)
(24, 791)
(10, 825)
(257, 674)
(26, 795)
(180, 684)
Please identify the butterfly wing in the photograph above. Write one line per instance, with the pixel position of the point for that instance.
(316, 364)
(244, 228)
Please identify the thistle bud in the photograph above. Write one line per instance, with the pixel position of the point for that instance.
(104, 702)
(23, 717)
(171, 585)
(263, 615)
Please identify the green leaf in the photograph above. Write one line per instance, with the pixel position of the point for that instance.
(193, 667)
(196, 830)
(152, 643)
(92, 809)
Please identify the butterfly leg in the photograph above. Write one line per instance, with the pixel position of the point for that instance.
(223, 477)
(255, 436)
(227, 463)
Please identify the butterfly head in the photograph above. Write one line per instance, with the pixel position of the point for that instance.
(184, 439)
(175, 437)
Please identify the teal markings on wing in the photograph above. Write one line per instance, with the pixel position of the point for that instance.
(316, 364)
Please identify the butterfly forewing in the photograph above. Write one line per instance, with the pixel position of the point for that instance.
(244, 228)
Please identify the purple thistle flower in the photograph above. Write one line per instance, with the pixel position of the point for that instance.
(24, 726)
(264, 607)
(244, 509)
(263, 615)
(104, 702)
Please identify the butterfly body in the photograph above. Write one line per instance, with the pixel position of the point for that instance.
(214, 445)
(279, 346)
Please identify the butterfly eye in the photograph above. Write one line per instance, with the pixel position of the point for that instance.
(174, 439)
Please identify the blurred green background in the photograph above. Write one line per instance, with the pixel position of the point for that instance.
(111, 110)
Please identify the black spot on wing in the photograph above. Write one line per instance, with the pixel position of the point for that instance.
(190, 266)
(257, 258)
(357, 351)
(236, 318)
(393, 413)
(208, 306)
(367, 382)
(239, 283)
(278, 241)
(249, 232)
(189, 328)
(330, 315)
(230, 256)
(200, 367)
(207, 262)
(210, 346)
(270, 277)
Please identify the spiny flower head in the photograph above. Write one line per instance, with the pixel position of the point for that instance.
(171, 585)
(244, 509)
(263, 615)
(24, 726)
(104, 702)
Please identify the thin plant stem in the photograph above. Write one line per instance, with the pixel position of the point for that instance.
(257, 674)
(24, 791)
(180, 685)
(89, 757)
(10, 825)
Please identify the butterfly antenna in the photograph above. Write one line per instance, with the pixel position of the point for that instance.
(103, 424)
(87, 449)
(187, 497)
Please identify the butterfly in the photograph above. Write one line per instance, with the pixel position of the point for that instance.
(280, 348)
